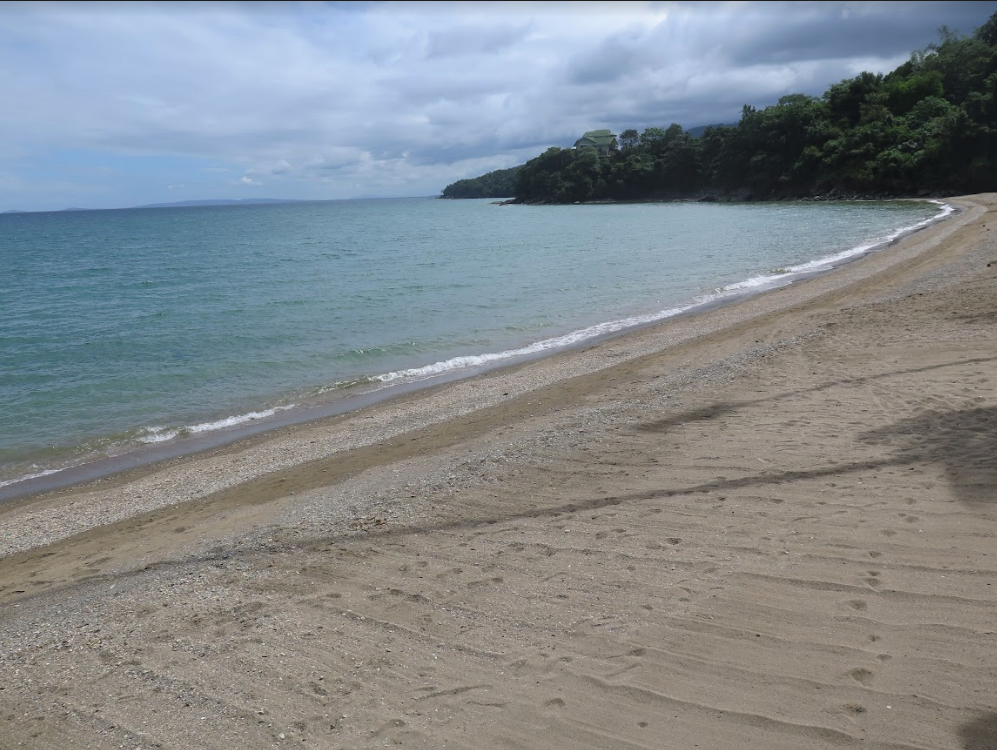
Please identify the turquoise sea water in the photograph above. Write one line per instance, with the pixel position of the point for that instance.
(125, 328)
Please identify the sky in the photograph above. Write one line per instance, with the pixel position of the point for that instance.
(109, 105)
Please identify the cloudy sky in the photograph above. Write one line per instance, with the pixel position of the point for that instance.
(117, 104)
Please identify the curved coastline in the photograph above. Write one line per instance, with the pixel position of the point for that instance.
(163, 444)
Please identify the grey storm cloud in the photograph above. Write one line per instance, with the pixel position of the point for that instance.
(834, 31)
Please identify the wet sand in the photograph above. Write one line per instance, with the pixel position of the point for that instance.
(767, 525)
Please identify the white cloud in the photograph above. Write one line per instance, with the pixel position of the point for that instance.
(330, 101)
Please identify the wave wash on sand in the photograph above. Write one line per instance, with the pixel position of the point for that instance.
(768, 524)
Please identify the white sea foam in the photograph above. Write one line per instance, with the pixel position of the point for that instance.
(157, 434)
(237, 420)
(558, 342)
(26, 477)
(161, 434)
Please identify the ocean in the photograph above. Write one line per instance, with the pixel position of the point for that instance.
(122, 330)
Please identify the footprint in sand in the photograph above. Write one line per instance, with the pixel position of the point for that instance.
(862, 675)
(872, 579)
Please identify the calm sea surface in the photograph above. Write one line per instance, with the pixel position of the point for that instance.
(126, 328)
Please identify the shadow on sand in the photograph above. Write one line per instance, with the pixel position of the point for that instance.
(980, 733)
(962, 441)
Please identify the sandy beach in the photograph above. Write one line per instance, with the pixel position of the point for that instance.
(767, 525)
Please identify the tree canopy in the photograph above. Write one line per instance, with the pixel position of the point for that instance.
(498, 184)
(928, 126)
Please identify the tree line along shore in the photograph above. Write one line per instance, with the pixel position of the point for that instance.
(929, 127)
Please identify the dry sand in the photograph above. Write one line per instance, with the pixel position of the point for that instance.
(770, 525)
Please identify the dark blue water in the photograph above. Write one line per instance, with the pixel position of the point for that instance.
(123, 328)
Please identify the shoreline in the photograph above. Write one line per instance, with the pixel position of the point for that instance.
(771, 522)
(294, 415)
(550, 368)
(741, 196)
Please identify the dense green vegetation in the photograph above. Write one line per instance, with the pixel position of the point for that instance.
(498, 184)
(930, 126)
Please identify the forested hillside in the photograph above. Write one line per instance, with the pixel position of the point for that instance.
(498, 184)
(930, 126)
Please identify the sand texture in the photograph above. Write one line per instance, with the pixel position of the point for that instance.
(770, 525)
